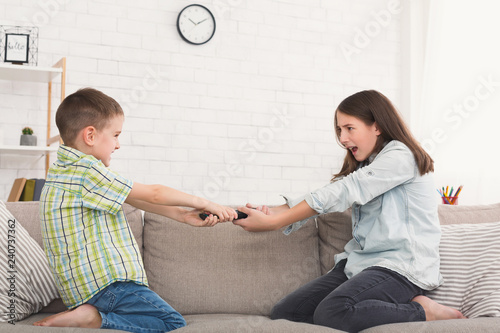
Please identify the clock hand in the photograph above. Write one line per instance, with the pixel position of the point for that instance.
(202, 21)
(193, 22)
(191, 29)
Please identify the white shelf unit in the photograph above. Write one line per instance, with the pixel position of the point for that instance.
(27, 150)
(42, 75)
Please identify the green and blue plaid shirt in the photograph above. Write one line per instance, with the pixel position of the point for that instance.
(86, 236)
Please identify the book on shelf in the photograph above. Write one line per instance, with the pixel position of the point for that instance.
(39, 182)
(25, 189)
(17, 189)
(29, 189)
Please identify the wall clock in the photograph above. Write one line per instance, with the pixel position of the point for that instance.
(196, 24)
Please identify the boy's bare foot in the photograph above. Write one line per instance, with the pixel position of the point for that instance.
(85, 315)
(435, 311)
(44, 321)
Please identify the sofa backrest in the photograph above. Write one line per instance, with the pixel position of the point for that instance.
(335, 229)
(27, 214)
(469, 214)
(225, 269)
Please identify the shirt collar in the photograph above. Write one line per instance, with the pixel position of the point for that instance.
(67, 154)
(372, 157)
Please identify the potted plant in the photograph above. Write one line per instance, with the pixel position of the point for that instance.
(27, 138)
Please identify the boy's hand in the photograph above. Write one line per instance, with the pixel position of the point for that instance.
(192, 217)
(224, 213)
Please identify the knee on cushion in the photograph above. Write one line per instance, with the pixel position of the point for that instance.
(279, 311)
(333, 312)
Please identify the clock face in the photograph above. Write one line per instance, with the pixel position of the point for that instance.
(196, 24)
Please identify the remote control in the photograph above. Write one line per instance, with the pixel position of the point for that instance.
(241, 215)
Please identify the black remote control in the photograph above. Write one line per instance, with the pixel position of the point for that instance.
(241, 215)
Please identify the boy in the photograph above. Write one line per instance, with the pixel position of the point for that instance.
(92, 253)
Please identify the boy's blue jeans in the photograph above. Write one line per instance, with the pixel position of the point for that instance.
(131, 307)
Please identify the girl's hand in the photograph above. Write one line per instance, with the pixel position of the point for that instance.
(257, 220)
(281, 216)
(264, 209)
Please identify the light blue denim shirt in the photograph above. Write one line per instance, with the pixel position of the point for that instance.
(394, 216)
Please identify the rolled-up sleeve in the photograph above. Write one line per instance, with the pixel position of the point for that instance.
(297, 225)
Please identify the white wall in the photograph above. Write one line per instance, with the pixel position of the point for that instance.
(246, 117)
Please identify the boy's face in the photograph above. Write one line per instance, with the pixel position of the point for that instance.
(106, 140)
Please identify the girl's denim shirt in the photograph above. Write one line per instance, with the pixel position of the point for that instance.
(394, 216)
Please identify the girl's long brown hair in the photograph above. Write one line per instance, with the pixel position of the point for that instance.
(370, 107)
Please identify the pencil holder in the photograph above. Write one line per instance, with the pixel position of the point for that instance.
(450, 200)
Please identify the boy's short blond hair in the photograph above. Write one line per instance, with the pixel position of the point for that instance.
(86, 107)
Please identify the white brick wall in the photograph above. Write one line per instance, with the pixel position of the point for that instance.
(244, 118)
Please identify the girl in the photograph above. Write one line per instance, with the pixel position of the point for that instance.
(393, 257)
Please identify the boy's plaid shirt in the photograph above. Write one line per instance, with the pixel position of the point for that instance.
(86, 236)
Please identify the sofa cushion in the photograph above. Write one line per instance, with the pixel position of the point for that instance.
(26, 283)
(28, 212)
(231, 323)
(470, 265)
(451, 214)
(26, 326)
(476, 325)
(335, 230)
(225, 269)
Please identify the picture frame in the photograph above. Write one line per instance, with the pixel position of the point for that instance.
(18, 34)
(17, 48)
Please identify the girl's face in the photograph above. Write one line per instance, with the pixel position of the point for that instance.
(356, 136)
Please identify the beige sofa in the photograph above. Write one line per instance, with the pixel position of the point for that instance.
(224, 279)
